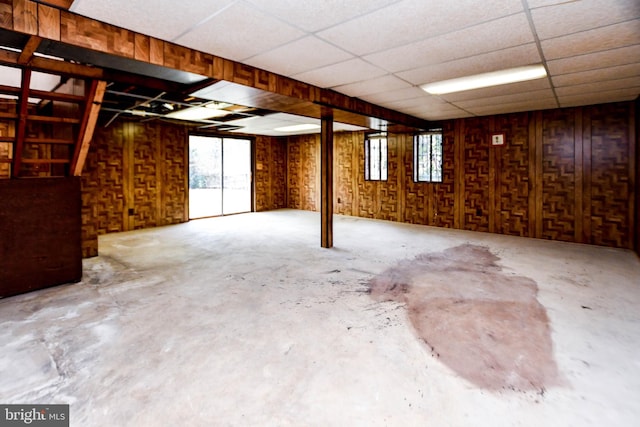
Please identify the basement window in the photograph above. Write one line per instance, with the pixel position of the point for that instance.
(375, 157)
(427, 157)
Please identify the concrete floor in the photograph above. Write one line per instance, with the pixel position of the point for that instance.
(246, 321)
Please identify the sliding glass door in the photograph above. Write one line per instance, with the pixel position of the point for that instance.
(219, 176)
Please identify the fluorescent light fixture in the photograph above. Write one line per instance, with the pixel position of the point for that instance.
(298, 128)
(495, 78)
(196, 113)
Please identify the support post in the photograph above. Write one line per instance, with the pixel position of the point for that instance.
(326, 178)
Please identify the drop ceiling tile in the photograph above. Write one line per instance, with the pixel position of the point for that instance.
(223, 36)
(591, 61)
(502, 90)
(631, 82)
(373, 86)
(599, 39)
(157, 18)
(411, 20)
(600, 75)
(314, 16)
(394, 95)
(617, 95)
(508, 58)
(536, 95)
(305, 54)
(438, 112)
(342, 73)
(499, 34)
(576, 16)
(425, 100)
(532, 105)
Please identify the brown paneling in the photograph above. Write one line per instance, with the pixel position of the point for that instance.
(346, 172)
(610, 175)
(134, 177)
(295, 96)
(564, 174)
(6, 14)
(558, 175)
(444, 193)
(40, 229)
(25, 16)
(511, 214)
(303, 172)
(270, 173)
(84, 32)
(48, 22)
(476, 175)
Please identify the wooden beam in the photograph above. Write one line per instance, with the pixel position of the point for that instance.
(326, 178)
(22, 121)
(87, 125)
(60, 4)
(29, 49)
(82, 32)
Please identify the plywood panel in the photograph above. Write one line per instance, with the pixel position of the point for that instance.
(270, 173)
(512, 175)
(345, 171)
(562, 174)
(134, 177)
(303, 172)
(476, 175)
(610, 175)
(174, 171)
(444, 193)
(40, 229)
(558, 175)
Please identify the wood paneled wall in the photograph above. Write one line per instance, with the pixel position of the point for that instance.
(270, 173)
(40, 229)
(565, 174)
(135, 177)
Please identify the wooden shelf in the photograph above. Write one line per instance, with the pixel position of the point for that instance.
(7, 138)
(47, 119)
(45, 161)
(48, 141)
(11, 116)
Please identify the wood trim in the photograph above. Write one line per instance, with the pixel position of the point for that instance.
(29, 49)
(578, 176)
(87, 125)
(45, 161)
(539, 184)
(53, 141)
(79, 31)
(586, 174)
(532, 186)
(47, 119)
(25, 16)
(22, 121)
(326, 179)
(458, 163)
(48, 22)
(61, 4)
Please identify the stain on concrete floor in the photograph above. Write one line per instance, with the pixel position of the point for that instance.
(485, 325)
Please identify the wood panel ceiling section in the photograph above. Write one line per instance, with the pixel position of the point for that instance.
(91, 42)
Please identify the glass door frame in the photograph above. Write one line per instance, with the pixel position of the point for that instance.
(251, 171)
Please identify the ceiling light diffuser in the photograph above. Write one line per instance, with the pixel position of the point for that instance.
(196, 113)
(297, 128)
(495, 78)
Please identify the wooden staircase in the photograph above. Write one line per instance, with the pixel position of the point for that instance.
(51, 137)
